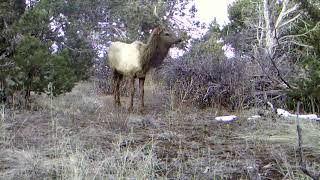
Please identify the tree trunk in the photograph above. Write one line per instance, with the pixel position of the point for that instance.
(270, 40)
(20, 6)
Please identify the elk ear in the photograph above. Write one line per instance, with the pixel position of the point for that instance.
(157, 30)
(160, 31)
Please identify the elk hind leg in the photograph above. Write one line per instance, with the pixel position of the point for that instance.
(131, 94)
(117, 77)
(141, 88)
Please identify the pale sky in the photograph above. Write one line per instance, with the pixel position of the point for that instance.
(209, 9)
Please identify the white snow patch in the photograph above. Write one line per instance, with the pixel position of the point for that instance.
(285, 113)
(254, 117)
(309, 116)
(54, 48)
(226, 118)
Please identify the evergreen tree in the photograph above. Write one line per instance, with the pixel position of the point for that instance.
(308, 82)
(27, 47)
(10, 13)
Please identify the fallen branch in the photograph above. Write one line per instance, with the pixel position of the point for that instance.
(269, 93)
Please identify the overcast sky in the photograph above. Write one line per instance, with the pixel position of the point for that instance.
(210, 9)
(207, 11)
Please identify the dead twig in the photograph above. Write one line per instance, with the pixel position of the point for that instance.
(271, 58)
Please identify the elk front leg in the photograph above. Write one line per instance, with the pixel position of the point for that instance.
(131, 94)
(118, 103)
(141, 88)
(116, 88)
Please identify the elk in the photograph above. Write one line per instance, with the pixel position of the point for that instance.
(136, 59)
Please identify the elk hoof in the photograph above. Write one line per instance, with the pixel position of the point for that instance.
(141, 111)
(130, 109)
(117, 104)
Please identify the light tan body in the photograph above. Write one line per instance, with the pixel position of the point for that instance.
(126, 58)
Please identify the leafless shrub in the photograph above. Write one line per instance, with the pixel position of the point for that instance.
(210, 81)
(102, 77)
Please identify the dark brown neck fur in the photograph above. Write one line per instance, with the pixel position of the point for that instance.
(153, 54)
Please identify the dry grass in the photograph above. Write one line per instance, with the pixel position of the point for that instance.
(81, 136)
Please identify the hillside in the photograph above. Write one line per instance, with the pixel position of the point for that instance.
(80, 135)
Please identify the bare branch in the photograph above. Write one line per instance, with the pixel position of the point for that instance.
(119, 32)
(278, 71)
(76, 50)
(301, 35)
(289, 21)
(155, 11)
(302, 45)
(262, 68)
(284, 12)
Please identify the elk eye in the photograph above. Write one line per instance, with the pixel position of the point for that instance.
(166, 34)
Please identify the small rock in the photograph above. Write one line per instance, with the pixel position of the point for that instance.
(165, 136)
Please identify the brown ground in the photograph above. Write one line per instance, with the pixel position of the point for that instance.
(81, 136)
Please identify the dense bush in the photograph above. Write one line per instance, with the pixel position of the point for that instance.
(36, 51)
(307, 89)
(209, 81)
(36, 67)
